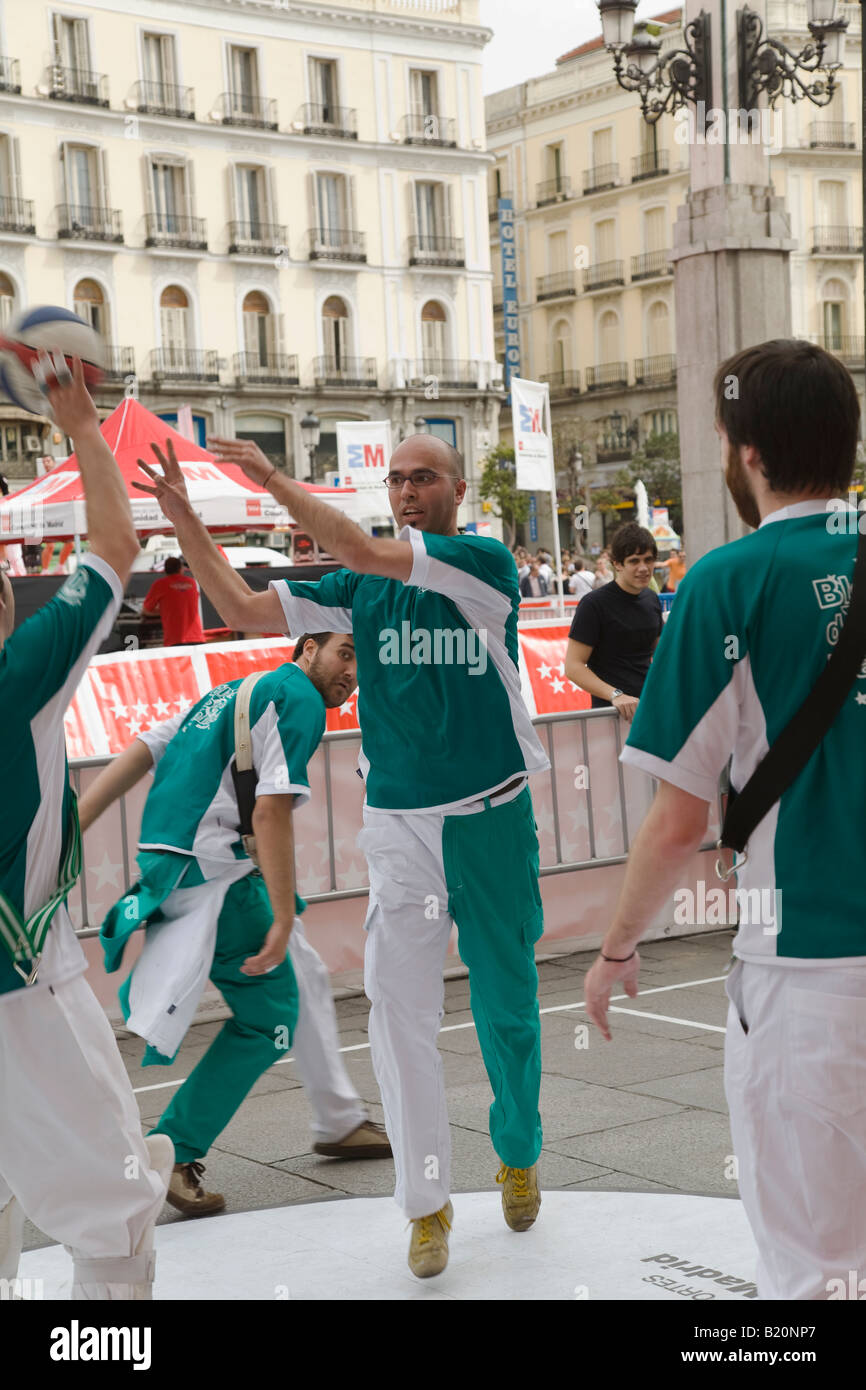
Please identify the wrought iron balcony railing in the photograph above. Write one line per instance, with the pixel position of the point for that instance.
(257, 238)
(77, 84)
(553, 191)
(603, 275)
(119, 363)
(16, 215)
(426, 249)
(243, 108)
(357, 372)
(832, 135)
(602, 176)
(266, 369)
(651, 264)
(429, 129)
(850, 349)
(560, 285)
(449, 373)
(836, 241)
(655, 371)
(563, 383)
(340, 122)
(337, 244)
(184, 364)
(649, 166)
(171, 229)
(10, 75)
(77, 222)
(607, 375)
(164, 99)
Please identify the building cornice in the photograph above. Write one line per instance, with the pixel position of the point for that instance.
(313, 12)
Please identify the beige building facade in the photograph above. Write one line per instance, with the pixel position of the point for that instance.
(266, 208)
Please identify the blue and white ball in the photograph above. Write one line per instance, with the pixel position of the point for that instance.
(56, 330)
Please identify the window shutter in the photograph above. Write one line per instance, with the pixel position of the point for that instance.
(101, 160)
(350, 184)
(270, 185)
(189, 187)
(312, 201)
(14, 149)
(447, 210)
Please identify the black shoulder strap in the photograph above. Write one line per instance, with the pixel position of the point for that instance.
(802, 735)
(245, 791)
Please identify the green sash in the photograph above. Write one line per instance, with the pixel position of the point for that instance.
(25, 940)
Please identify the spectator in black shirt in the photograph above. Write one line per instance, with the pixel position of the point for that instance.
(616, 628)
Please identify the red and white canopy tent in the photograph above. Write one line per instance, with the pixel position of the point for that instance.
(53, 507)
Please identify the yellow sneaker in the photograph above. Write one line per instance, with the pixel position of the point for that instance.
(520, 1195)
(428, 1248)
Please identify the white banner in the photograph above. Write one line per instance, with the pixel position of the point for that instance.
(363, 461)
(533, 447)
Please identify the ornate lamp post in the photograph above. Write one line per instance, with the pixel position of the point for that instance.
(310, 433)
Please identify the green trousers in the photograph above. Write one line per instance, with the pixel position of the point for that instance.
(265, 1012)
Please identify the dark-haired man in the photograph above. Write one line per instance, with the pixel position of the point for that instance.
(750, 633)
(616, 628)
(210, 912)
(176, 598)
(449, 833)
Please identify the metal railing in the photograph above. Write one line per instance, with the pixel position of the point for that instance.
(256, 238)
(649, 166)
(589, 738)
(561, 284)
(16, 215)
(242, 108)
(603, 275)
(337, 244)
(77, 84)
(832, 135)
(602, 176)
(655, 371)
(451, 374)
(272, 368)
(836, 240)
(606, 375)
(426, 249)
(650, 264)
(10, 75)
(428, 129)
(843, 345)
(553, 191)
(79, 223)
(184, 364)
(172, 229)
(339, 122)
(164, 99)
(119, 363)
(563, 383)
(358, 372)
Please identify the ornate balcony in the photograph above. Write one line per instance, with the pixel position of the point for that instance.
(607, 376)
(339, 122)
(655, 371)
(449, 373)
(651, 264)
(358, 373)
(170, 364)
(77, 84)
(561, 285)
(553, 191)
(170, 229)
(16, 215)
(270, 369)
(10, 76)
(256, 239)
(337, 244)
(602, 176)
(562, 383)
(426, 249)
(164, 99)
(244, 109)
(603, 275)
(429, 130)
(76, 222)
(119, 364)
(649, 166)
(850, 349)
(832, 135)
(837, 241)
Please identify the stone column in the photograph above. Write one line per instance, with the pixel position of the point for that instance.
(732, 242)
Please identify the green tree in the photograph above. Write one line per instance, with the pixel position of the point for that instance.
(498, 486)
(657, 465)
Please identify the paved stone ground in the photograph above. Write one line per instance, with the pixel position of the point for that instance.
(644, 1113)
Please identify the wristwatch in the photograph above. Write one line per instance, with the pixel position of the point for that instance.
(617, 692)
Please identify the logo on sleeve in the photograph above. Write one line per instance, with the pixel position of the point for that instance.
(74, 591)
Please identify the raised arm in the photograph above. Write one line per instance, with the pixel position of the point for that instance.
(119, 777)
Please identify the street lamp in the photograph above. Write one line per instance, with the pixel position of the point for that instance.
(310, 433)
(768, 66)
(421, 426)
(664, 84)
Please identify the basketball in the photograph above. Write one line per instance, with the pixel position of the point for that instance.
(55, 330)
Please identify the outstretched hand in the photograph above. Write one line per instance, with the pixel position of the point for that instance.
(70, 405)
(245, 454)
(170, 486)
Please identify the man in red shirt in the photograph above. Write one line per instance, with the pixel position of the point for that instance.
(176, 597)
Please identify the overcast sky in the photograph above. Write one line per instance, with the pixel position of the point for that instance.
(529, 35)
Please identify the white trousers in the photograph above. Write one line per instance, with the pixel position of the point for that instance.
(796, 1089)
(337, 1108)
(72, 1155)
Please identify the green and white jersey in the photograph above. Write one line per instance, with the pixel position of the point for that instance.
(751, 630)
(442, 717)
(41, 666)
(192, 807)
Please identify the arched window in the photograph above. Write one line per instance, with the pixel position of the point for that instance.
(7, 299)
(335, 331)
(560, 351)
(258, 329)
(88, 302)
(658, 330)
(174, 324)
(834, 299)
(433, 321)
(608, 338)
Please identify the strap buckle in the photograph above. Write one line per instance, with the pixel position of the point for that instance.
(31, 978)
(724, 874)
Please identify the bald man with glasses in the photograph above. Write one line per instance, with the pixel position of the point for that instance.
(449, 832)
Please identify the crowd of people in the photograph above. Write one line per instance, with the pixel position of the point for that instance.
(580, 574)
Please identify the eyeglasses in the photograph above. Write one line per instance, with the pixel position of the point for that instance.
(423, 478)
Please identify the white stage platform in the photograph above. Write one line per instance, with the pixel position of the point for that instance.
(585, 1245)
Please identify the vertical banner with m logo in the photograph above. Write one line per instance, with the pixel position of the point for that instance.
(363, 460)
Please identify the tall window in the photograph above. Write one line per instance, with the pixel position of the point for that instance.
(602, 147)
(557, 253)
(560, 356)
(655, 229)
(160, 71)
(331, 205)
(605, 240)
(335, 331)
(88, 303)
(258, 328)
(244, 72)
(10, 179)
(554, 165)
(170, 193)
(323, 89)
(424, 89)
(251, 197)
(82, 169)
(835, 314)
(833, 202)
(608, 337)
(432, 209)
(7, 300)
(658, 330)
(433, 321)
(71, 43)
(174, 324)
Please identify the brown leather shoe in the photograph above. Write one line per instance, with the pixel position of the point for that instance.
(369, 1140)
(186, 1193)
